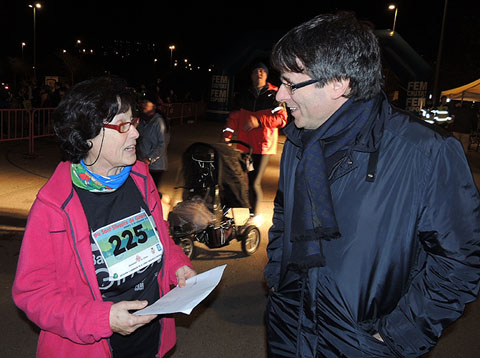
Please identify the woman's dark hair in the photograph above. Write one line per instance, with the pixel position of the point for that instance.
(333, 47)
(89, 105)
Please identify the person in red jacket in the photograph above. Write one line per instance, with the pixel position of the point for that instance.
(255, 120)
(96, 246)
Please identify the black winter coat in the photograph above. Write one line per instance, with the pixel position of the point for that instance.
(408, 260)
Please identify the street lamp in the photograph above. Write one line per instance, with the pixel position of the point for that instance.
(439, 56)
(171, 47)
(35, 7)
(23, 45)
(393, 7)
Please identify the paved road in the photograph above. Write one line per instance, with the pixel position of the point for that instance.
(229, 322)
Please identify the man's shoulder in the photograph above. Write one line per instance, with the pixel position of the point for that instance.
(408, 123)
(413, 133)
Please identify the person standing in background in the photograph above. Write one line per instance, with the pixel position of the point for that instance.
(255, 120)
(153, 141)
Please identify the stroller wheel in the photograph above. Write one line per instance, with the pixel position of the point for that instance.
(187, 245)
(250, 240)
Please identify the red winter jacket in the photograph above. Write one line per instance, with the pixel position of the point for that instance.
(56, 284)
(263, 139)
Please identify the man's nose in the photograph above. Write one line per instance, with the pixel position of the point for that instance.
(282, 94)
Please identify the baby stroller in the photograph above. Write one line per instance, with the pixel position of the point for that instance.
(215, 209)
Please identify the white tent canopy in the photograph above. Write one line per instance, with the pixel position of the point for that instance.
(468, 92)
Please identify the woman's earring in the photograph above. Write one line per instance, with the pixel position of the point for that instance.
(90, 144)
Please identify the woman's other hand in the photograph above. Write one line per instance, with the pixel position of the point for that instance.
(184, 273)
(125, 323)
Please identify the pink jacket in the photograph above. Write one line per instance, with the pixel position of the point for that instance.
(55, 282)
(263, 139)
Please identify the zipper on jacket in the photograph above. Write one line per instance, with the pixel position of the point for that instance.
(75, 243)
(372, 166)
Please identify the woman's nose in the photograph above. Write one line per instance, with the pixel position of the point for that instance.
(133, 132)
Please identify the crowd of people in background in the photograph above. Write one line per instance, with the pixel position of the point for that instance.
(32, 94)
(463, 117)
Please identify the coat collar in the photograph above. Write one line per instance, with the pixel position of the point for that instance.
(368, 140)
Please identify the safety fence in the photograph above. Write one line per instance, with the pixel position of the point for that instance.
(23, 124)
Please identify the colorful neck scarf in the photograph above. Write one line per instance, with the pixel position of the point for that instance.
(85, 179)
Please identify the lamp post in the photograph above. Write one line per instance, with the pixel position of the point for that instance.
(171, 47)
(23, 45)
(35, 7)
(393, 7)
(439, 57)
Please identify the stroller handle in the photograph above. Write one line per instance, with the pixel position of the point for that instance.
(242, 143)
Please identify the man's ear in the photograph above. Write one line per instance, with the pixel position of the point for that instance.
(339, 88)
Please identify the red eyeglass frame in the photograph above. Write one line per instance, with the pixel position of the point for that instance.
(134, 122)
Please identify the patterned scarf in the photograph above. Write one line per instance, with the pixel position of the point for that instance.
(313, 218)
(85, 179)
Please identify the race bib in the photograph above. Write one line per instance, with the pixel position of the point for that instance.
(128, 245)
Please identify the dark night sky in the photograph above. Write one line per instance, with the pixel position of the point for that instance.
(202, 29)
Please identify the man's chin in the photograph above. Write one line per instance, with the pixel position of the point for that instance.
(298, 123)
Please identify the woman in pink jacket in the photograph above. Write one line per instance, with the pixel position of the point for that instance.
(96, 246)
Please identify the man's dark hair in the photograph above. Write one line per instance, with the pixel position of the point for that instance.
(89, 105)
(333, 47)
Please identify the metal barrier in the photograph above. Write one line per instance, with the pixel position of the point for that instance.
(14, 124)
(23, 124)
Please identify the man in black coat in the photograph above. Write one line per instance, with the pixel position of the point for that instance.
(375, 243)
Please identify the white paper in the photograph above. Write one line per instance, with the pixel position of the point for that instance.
(185, 299)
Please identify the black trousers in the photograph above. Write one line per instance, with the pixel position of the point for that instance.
(255, 192)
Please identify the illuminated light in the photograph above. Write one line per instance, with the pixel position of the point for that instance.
(443, 119)
(393, 7)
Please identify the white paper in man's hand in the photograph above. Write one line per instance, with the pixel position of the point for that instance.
(185, 299)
